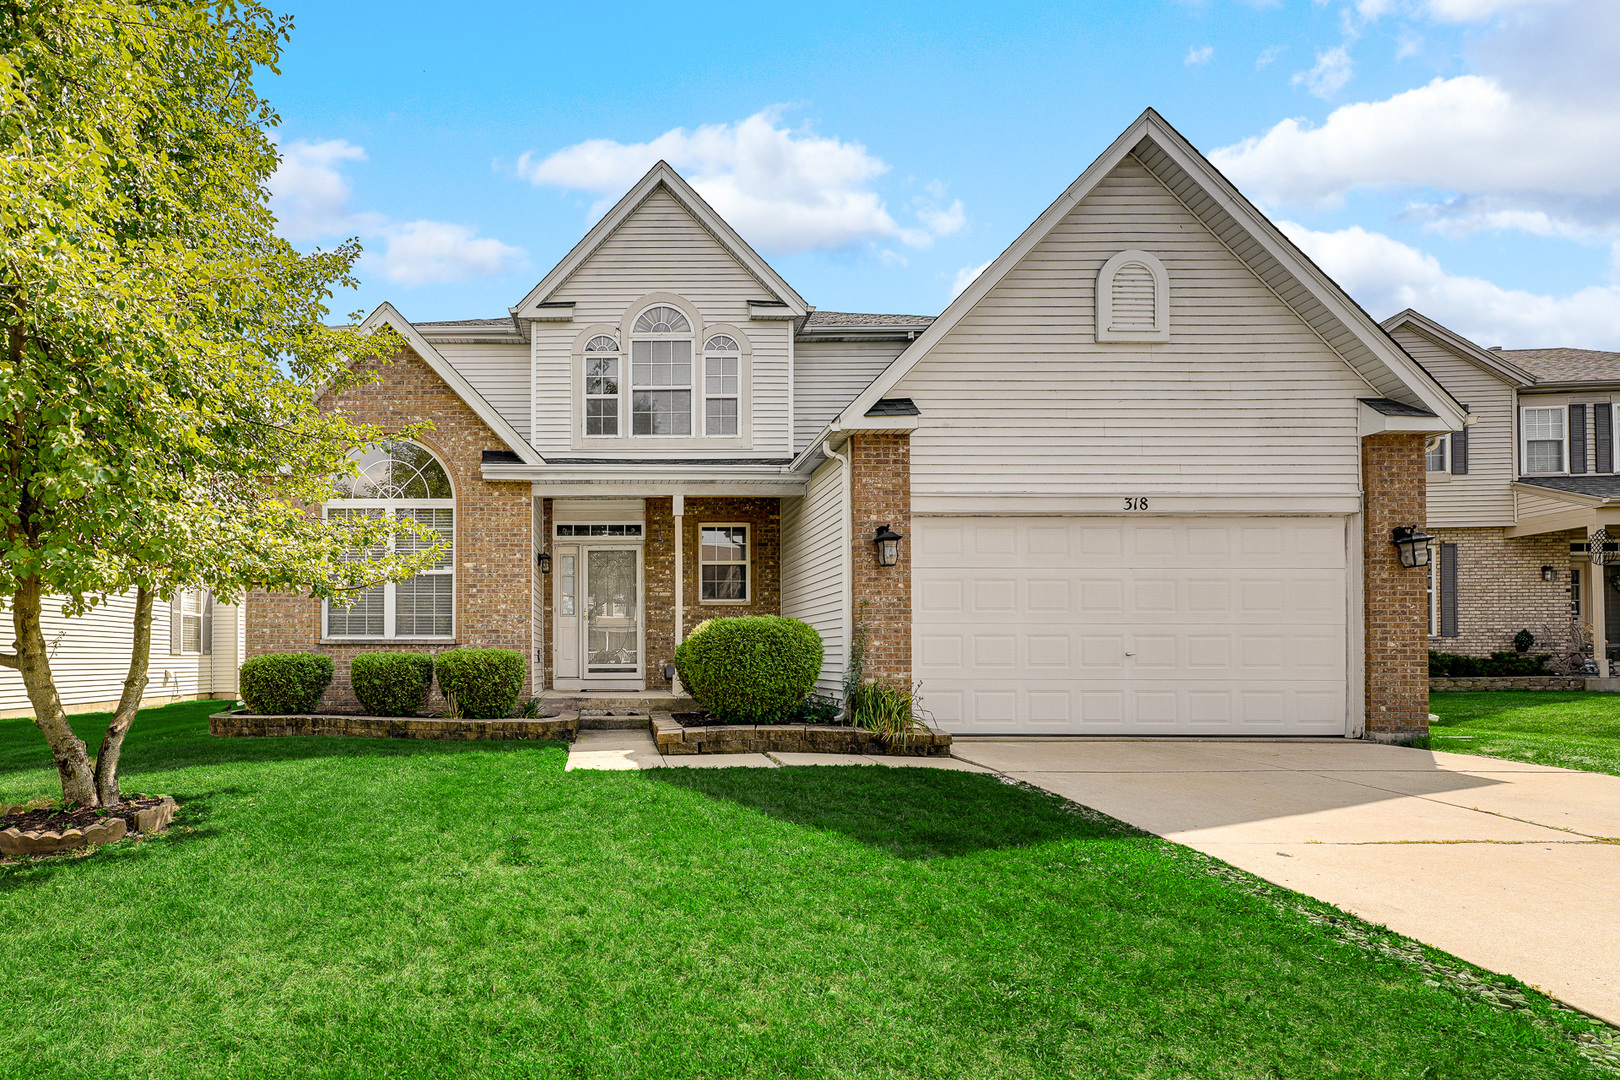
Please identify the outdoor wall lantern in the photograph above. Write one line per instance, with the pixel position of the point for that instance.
(1413, 544)
(888, 546)
(544, 559)
(1548, 574)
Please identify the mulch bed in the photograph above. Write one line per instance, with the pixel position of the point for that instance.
(701, 718)
(53, 820)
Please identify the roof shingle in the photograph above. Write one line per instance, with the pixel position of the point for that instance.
(1566, 365)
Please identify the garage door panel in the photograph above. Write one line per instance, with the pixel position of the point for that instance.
(1169, 626)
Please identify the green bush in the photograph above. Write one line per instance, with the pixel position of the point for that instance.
(483, 684)
(1498, 665)
(752, 669)
(391, 683)
(888, 712)
(276, 684)
(816, 709)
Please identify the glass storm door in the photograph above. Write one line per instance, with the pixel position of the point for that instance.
(612, 590)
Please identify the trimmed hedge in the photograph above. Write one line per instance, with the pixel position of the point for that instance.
(1499, 665)
(484, 682)
(276, 684)
(752, 669)
(391, 683)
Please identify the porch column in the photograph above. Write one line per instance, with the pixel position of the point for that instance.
(1595, 535)
(678, 513)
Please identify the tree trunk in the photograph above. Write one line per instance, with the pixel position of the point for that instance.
(72, 759)
(112, 744)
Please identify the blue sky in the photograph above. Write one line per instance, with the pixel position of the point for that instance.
(1459, 156)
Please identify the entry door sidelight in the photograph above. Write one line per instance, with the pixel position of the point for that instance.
(612, 591)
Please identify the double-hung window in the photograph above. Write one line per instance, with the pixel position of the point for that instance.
(191, 624)
(1435, 454)
(400, 481)
(602, 386)
(1545, 449)
(722, 385)
(661, 373)
(723, 564)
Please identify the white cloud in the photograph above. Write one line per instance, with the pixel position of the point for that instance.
(785, 190)
(1199, 56)
(1268, 56)
(310, 198)
(966, 276)
(1333, 69)
(1474, 10)
(1385, 276)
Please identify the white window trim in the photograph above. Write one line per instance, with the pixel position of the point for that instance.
(1161, 298)
(1445, 457)
(694, 361)
(586, 396)
(178, 616)
(706, 397)
(1524, 438)
(1434, 592)
(747, 563)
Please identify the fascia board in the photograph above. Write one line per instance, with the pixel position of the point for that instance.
(661, 174)
(387, 313)
(1372, 422)
(1554, 493)
(1459, 346)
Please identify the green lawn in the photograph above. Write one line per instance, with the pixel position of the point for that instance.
(367, 908)
(1573, 731)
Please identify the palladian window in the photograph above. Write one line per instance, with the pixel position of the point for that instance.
(400, 480)
(661, 373)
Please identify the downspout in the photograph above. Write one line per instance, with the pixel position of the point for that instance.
(846, 558)
(678, 508)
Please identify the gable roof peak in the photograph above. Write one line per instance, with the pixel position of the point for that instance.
(1491, 361)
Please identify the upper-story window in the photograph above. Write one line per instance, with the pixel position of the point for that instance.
(1545, 449)
(661, 373)
(400, 480)
(722, 384)
(602, 386)
(1434, 455)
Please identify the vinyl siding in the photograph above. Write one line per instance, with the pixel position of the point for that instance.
(660, 248)
(1535, 506)
(500, 373)
(813, 567)
(1481, 497)
(827, 375)
(90, 658)
(1019, 401)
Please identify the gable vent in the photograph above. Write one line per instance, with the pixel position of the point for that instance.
(1133, 302)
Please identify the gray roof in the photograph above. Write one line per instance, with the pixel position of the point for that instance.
(1391, 407)
(893, 406)
(465, 324)
(1601, 485)
(1566, 365)
(828, 320)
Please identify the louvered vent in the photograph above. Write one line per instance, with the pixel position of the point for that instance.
(1133, 299)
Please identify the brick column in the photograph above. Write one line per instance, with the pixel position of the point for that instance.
(1394, 597)
(880, 488)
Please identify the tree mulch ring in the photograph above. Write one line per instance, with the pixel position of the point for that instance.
(45, 830)
(53, 819)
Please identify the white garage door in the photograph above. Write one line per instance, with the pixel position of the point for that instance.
(1132, 626)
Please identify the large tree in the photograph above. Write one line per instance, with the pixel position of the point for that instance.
(164, 349)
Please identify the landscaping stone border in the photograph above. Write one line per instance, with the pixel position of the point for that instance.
(242, 724)
(673, 739)
(153, 819)
(1509, 682)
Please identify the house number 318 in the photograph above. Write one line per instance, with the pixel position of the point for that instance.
(1139, 503)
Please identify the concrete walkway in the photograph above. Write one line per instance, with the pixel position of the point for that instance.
(1512, 867)
(622, 749)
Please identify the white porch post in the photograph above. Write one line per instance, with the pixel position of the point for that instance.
(678, 507)
(1595, 535)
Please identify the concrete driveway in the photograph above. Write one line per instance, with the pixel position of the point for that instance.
(1512, 867)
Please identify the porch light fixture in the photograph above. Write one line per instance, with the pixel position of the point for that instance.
(1413, 544)
(888, 545)
(544, 559)
(1548, 574)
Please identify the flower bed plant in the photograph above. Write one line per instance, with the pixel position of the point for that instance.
(1498, 664)
(753, 669)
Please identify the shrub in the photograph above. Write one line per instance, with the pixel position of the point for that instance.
(391, 683)
(1498, 665)
(281, 683)
(485, 683)
(752, 669)
(816, 709)
(1523, 640)
(888, 712)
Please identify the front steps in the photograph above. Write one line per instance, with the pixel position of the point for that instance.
(615, 709)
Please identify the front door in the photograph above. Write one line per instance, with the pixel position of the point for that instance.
(610, 586)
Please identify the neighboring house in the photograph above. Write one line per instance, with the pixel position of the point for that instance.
(1146, 468)
(1516, 498)
(197, 646)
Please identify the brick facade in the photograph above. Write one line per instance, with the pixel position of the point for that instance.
(494, 555)
(1500, 591)
(880, 488)
(1395, 597)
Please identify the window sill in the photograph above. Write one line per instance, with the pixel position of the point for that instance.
(387, 641)
(725, 603)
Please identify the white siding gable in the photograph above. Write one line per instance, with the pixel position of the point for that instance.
(1244, 408)
(500, 373)
(827, 375)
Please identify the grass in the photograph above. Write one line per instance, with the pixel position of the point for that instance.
(374, 908)
(1572, 731)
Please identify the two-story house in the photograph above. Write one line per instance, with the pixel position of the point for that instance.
(1524, 501)
(1144, 471)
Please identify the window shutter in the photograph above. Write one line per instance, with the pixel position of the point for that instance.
(1459, 451)
(208, 624)
(1603, 421)
(1448, 590)
(176, 626)
(1577, 438)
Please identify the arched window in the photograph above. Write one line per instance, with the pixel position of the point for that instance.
(661, 372)
(400, 480)
(602, 386)
(722, 384)
(1133, 299)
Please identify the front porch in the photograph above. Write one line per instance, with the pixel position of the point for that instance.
(1587, 508)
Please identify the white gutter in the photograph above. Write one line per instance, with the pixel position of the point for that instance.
(845, 559)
